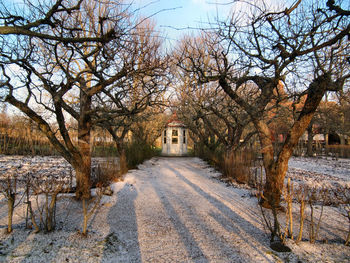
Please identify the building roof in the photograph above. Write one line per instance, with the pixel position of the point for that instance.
(174, 121)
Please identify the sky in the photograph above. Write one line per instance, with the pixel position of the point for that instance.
(175, 18)
(177, 15)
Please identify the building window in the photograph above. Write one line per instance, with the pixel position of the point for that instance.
(174, 139)
(184, 136)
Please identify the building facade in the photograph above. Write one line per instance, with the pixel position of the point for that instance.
(174, 138)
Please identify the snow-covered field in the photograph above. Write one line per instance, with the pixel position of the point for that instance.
(334, 168)
(173, 210)
(321, 168)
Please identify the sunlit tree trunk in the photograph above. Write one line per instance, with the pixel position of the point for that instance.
(276, 169)
(83, 170)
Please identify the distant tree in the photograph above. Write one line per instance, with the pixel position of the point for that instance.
(328, 117)
(147, 126)
(119, 106)
(188, 101)
(343, 99)
(200, 135)
(219, 115)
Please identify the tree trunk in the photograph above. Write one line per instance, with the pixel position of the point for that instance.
(11, 204)
(276, 169)
(83, 182)
(310, 136)
(51, 221)
(120, 146)
(119, 141)
(274, 184)
(32, 217)
(342, 148)
(85, 213)
(123, 163)
(83, 169)
(271, 188)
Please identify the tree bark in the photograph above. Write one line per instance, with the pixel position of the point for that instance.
(277, 169)
(310, 136)
(274, 184)
(342, 143)
(11, 204)
(83, 169)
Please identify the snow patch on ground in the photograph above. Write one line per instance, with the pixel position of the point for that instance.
(335, 169)
(170, 210)
(323, 172)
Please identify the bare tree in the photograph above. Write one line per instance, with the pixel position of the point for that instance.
(344, 115)
(57, 79)
(8, 187)
(192, 115)
(220, 115)
(45, 18)
(148, 126)
(123, 103)
(265, 50)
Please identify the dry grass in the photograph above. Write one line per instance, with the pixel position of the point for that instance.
(238, 166)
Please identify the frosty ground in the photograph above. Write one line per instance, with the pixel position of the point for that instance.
(175, 210)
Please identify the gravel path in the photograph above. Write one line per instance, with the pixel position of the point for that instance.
(179, 212)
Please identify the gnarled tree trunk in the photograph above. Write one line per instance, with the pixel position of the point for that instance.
(83, 168)
(276, 169)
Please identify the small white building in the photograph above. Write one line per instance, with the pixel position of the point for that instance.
(174, 138)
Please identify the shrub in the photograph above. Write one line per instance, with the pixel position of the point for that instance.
(45, 190)
(137, 152)
(237, 166)
(104, 150)
(107, 171)
(311, 202)
(8, 187)
(234, 165)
